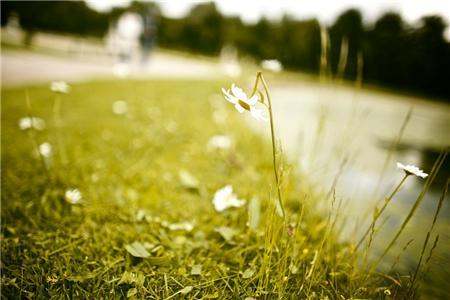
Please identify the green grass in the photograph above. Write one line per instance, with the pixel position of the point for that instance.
(127, 169)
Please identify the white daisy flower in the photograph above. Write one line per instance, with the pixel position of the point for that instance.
(272, 65)
(60, 87)
(45, 150)
(73, 196)
(219, 142)
(225, 198)
(242, 103)
(412, 170)
(120, 107)
(33, 122)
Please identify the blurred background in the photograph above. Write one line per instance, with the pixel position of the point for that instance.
(403, 45)
(357, 86)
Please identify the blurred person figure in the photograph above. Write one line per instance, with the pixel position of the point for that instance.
(123, 41)
(13, 32)
(129, 29)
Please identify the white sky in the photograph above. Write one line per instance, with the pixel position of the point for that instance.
(325, 10)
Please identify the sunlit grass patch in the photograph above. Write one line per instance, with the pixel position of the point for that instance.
(124, 205)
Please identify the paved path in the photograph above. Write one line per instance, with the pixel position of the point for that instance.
(21, 67)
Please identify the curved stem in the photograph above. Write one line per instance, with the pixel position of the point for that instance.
(272, 131)
(377, 215)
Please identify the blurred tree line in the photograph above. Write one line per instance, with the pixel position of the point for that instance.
(395, 54)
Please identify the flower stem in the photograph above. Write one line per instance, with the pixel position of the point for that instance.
(377, 214)
(33, 138)
(260, 77)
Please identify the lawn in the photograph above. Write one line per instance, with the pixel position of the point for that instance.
(146, 227)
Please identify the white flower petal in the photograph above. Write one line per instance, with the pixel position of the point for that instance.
(239, 108)
(229, 97)
(45, 149)
(412, 170)
(73, 196)
(33, 122)
(238, 92)
(225, 198)
(258, 114)
(253, 100)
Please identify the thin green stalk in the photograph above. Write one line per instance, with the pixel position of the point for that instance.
(57, 121)
(33, 139)
(397, 259)
(272, 131)
(378, 214)
(425, 243)
(434, 171)
(436, 240)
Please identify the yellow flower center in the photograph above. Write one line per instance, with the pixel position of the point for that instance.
(244, 105)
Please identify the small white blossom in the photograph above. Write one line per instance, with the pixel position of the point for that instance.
(219, 142)
(242, 103)
(225, 198)
(45, 149)
(120, 107)
(412, 170)
(272, 65)
(186, 226)
(60, 87)
(33, 122)
(73, 196)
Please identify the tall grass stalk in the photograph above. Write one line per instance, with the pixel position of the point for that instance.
(437, 165)
(397, 259)
(436, 240)
(427, 238)
(392, 148)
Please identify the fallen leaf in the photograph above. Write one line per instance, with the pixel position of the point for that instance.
(248, 273)
(188, 180)
(137, 250)
(196, 270)
(136, 279)
(186, 290)
(132, 292)
(227, 233)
